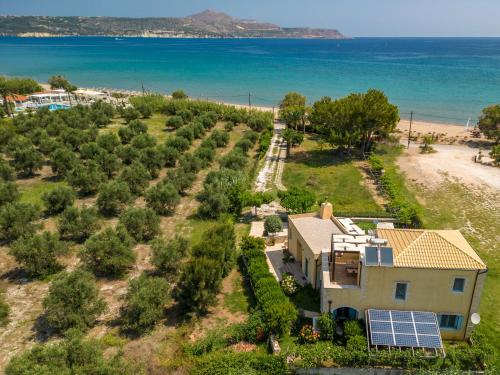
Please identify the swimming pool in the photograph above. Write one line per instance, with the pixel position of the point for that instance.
(55, 106)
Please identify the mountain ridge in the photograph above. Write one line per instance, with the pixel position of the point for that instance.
(205, 24)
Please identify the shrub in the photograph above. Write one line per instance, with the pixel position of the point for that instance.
(152, 159)
(163, 198)
(133, 128)
(190, 163)
(8, 192)
(326, 326)
(38, 253)
(260, 121)
(186, 132)
(130, 114)
(288, 284)
(108, 253)
(127, 154)
(199, 285)
(169, 155)
(229, 362)
(4, 310)
(376, 163)
(136, 176)
(273, 224)
(218, 243)
(113, 197)
(244, 145)
(86, 179)
(307, 334)
(6, 171)
(186, 115)
(17, 219)
(78, 224)
(220, 138)
(71, 356)
(143, 224)
(235, 160)
(229, 126)
(353, 328)
(181, 179)
(167, 254)
(108, 141)
(73, 301)
(181, 144)
(144, 303)
(175, 122)
(143, 140)
(179, 94)
(63, 160)
(278, 312)
(297, 200)
(58, 199)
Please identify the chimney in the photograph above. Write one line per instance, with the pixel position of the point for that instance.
(326, 211)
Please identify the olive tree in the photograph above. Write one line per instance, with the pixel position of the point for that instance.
(73, 301)
(8, 192)
(136, 176)
(108, 253)
(38, 253)
(144, 303)
(78, 224)
(167, 254)
(58, 199)
(162, 198)
(17, 219)
(113, 197)
(143, 224)
(273, 224)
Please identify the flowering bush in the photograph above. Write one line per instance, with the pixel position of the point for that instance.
(288, 284)
(307, 334)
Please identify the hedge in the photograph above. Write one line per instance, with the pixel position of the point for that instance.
(279, 313)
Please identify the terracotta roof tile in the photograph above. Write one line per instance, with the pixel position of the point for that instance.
(443, 249)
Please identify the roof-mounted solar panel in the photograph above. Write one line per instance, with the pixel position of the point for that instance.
(386, 257)
(371, 256)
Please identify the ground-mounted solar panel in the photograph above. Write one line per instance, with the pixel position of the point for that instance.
(401, 316)
(426, 329)
(407, 340)
(430, 341)
(400, 327)
(410, 329)
(424, 317)
(384, 339)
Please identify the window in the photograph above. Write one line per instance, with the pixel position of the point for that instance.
(450, 321)
(401, 291)
(458, 284)
(307, 268)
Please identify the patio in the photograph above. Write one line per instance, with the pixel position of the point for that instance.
(278, 267)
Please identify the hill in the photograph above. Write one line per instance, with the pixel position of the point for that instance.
(207, 24)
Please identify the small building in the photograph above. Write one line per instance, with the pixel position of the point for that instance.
(389, 269)
(49, 97)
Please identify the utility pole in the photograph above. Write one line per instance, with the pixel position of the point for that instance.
(409, 130)
(249, 101)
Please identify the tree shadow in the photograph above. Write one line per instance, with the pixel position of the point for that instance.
(42, 331)
(321, 158)
(17, 276)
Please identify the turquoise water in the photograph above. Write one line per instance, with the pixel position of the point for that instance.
(440, 79)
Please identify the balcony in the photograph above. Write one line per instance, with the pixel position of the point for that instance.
(345, 268)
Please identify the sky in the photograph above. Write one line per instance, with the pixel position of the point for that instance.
(352, 17)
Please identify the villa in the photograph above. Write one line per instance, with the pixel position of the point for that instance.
(387, 269)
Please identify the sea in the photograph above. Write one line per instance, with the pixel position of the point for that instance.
(447, 80)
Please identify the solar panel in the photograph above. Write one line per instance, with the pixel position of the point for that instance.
(404, 329)
(386, 257)
(406, 340)
(426, 329)
(430, 341)
(371, 256)
(386, 339)
(424, 317)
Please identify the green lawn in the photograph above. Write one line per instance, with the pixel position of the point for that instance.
(239, 299)
(33, 193)
(330, 177)
(156, 127)
(475, 214)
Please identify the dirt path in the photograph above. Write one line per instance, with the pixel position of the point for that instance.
(273, 165)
